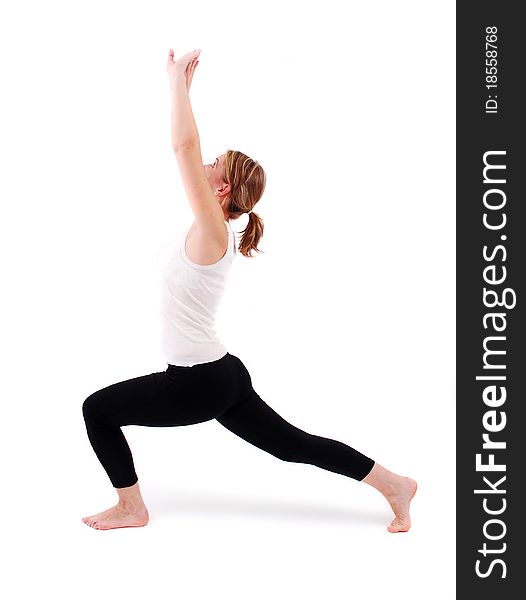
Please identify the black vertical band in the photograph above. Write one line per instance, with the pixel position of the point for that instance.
(491, 256)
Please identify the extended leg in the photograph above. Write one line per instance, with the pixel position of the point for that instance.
(257, 423)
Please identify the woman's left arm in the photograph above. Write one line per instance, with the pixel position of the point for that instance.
(187, 148)
(180, 72)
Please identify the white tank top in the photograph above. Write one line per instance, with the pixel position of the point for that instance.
(190, 296)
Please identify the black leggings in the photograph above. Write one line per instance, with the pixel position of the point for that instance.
(220, 390)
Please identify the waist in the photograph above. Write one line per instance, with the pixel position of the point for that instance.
(200, 365)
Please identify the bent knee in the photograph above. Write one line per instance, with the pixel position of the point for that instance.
(93, 406)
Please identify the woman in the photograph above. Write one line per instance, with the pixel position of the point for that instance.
(203, 381)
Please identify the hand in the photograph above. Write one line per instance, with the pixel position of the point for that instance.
(183, 66)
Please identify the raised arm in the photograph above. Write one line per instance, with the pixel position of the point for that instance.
(185, 141)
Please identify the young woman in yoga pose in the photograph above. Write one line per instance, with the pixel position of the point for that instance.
(203, 380)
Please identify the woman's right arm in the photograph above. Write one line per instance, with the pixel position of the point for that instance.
(185, 140)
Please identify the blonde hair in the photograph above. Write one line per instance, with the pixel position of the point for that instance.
(247, 181)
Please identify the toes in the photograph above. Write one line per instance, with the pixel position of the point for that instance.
(398, 526)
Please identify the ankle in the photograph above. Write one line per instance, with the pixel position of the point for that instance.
(385, 481)
(390, 488)
(132, 505)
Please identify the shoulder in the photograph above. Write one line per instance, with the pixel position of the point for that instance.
(206, 243)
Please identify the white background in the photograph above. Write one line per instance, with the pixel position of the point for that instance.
(346, 321)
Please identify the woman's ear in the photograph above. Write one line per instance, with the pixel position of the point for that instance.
(224, 189)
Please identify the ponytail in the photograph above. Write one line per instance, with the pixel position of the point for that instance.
(247, 182)
(251, 235)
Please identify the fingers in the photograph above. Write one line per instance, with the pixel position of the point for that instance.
(189, 56)
(192, 65)
(192, 56)
(191, 69)
(188, 61)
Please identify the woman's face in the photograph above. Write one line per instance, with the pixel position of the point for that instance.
(214, 172)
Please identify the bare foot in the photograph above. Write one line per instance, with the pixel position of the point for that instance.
(398, 490)
(118, 516)
(399, 496)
